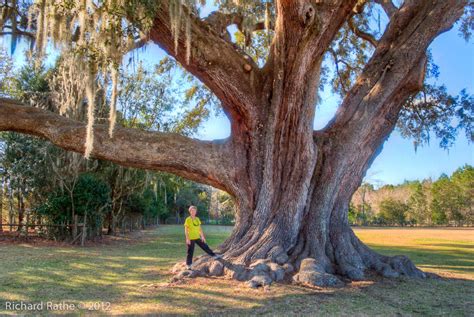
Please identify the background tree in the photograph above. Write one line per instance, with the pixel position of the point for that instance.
(452, 197)
(418, 205)
(222, 207)
(438, 205)
(393, 212)
(6, 71)
(292, 185)
(446, 200)
(463, 181)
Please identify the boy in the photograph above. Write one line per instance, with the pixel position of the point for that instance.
(192, 230)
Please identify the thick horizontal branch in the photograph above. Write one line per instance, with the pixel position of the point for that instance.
(230, 75)
(201, 161)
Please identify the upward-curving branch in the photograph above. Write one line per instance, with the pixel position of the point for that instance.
(396, 68)
(233, 77)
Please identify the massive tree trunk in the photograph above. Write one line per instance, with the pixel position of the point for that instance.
(292, 185)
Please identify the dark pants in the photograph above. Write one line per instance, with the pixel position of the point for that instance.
(203, 246)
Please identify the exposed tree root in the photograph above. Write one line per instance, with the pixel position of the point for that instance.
(355, 262)
(312, 273)
(259, 273)
(331, 258)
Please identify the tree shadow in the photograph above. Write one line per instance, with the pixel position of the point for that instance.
(456, 260)
(450, 245)
(376, 296)
(134, 279)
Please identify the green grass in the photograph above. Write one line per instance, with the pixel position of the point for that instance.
(132, 277)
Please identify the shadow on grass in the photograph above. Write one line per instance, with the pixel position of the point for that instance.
(451, 245)
(374, 297)
(119, 274)
(457, 260)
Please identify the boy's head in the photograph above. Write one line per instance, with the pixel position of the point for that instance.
(192, 210)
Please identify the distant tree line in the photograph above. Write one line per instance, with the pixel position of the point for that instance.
(446, 201)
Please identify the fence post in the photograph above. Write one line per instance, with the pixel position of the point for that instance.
(27, 222)
(84, 230)
(74, 228)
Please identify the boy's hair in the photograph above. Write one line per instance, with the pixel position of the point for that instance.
(191, 208)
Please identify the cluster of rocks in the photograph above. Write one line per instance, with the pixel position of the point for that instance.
(264, 272)
(260, 273)
(204, 266)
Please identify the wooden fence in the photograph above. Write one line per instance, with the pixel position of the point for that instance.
(77, 229)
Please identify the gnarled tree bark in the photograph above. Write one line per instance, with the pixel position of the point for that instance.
(292, 185)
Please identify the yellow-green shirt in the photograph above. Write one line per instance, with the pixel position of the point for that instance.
(193, 227)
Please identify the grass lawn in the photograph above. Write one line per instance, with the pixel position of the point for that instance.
(132, 275)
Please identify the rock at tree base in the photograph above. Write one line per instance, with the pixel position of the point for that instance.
(404, 266)
(178, 267)
(216, 269)
(312, 273)
(239, 274)
(259, 266)
(288, 268)
(277, 272)
(259, 280)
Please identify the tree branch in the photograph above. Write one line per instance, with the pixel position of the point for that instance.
(201, 161)
(371, 108)
(20, 33)
(363, 35)
(303, 33)
(328, 22)
(231, 76)
(220, 21)
(141, 41)
(336, 63)
(387, 6)
(395, 64)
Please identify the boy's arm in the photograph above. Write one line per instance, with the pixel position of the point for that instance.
(203, 238)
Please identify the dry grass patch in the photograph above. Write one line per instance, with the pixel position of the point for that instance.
(134, 277)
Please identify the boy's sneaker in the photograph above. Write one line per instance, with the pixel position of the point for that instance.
(188, 267)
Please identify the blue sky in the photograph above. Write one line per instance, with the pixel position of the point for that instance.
(398, 160)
